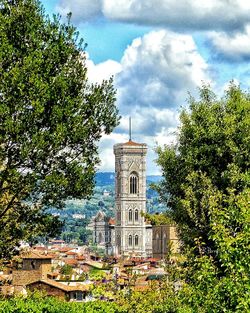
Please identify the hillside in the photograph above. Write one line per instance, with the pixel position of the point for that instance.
(77, 213)
(108, 178)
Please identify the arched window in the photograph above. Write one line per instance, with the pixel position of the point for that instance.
(130, 240)
(100, 238)
(130, 218)
(118, 240)
(118, 184)
(133, 183)
(136, 240)
(118, 217)
(136, 215)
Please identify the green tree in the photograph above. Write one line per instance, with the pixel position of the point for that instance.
(158, 218)
(66, 270)
(207, 186)
(51, 119)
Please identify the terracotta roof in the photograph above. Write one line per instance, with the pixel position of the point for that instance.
(61, 286)
(71, 253)
(53, 274)
(64, 249)
(132, 143)
(111, 221)
(35, 255)
(71, 261)
(40, 248)
(81, 258)
(153, 260)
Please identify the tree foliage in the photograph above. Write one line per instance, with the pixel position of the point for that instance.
(207, 186)
(158, 219)
(51, 119)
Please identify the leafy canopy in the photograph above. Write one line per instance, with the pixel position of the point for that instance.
(207, 188)
(51, 119)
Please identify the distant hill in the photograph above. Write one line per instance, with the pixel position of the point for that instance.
(105, 178)
(108, 178)
(153, 178)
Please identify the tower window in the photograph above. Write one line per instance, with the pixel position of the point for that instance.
(130, 240)
(118, 184)
(118, 217)
(136, 215)
(118, 240)
(130, 218)
(133, 183)
(100, 238)
(136, 240)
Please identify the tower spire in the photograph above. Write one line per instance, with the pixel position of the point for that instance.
(130, 129)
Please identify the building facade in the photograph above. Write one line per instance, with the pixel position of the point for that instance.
(100, 226)
(129, 234)
(164, 240)
(133, 236)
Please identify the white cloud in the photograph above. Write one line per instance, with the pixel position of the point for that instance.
(182, 14)
(102, 71)
(148, 121)
(152, 81)
(232, 46)
(158, 70)
(106, 150)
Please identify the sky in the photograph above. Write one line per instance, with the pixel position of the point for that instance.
(159, 52)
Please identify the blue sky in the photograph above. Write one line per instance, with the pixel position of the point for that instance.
(158, 51)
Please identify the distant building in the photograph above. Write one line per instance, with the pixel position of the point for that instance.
(133, 236)
(78, 216)
(129, 234)
(100, 227)
(106, 193)
(34, 274)
(165, 239)
(34, 266)
(57, 242)
(60, 290)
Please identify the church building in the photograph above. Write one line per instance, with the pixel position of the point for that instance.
(129, 235)
(133, 236)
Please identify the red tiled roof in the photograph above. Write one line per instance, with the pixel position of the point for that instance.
(111, 221)
(132, 143)
(153, 259)
(70, 261)
(35, 255)
(81, 258)
(71, 253)
(62, 286)
(53, 274)
(40, 248)
(64, 249)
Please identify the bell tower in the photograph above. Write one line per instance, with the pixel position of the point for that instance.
(133, 237)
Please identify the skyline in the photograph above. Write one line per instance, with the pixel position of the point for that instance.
(158, 52)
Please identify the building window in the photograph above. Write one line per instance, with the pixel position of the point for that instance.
(119, 217)
(33, 265)
(130, 240)
(130, 218)
(133, 183)
(118, 240)
(136, 240)
(136, 215)
(100, 238)
(118, 184)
